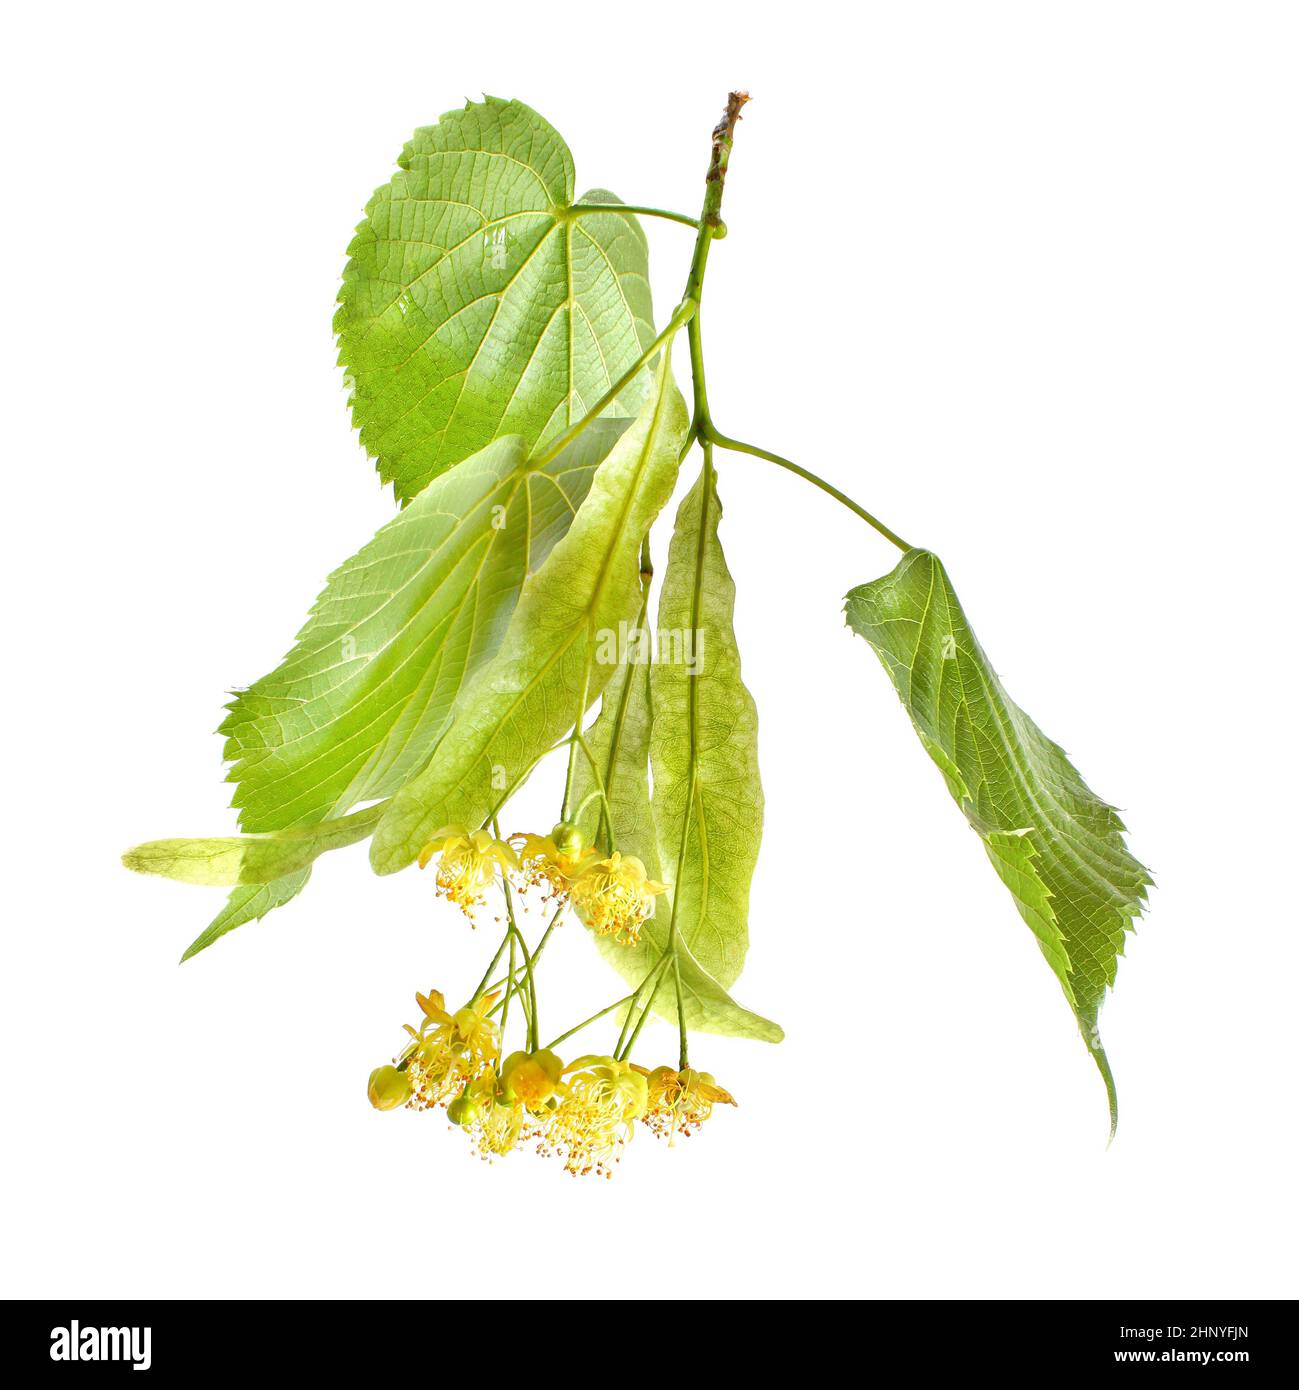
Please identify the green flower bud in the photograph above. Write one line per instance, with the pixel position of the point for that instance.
(462, 1110)
(388, 1088)
(569, 839)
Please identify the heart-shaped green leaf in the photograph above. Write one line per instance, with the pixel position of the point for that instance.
(478, 302)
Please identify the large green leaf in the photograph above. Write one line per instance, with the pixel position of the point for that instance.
(531, 693)
(250, 859)
(357, 706)
(620, 742)
(360, 702)
(1053, 842)
(476, 303)
(707, 793)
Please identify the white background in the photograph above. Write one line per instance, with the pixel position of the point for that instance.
(1023, 279)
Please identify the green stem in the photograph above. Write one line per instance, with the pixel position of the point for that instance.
(700, 421)
(596, 795)
(514, 786)
(584, 209)
(645, 1013)
(737, 446)
(487, 974)
(504, 1005)
(530, 997)
(586, 1022)
(509, 979)
(647, 979)
(530, 1000)
(683, 1033)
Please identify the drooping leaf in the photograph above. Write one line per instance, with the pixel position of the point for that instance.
(358, 705)
(620, 742)
(248, 905)
(1053, 842)
(531, 693)
(707, 793)
(250, 859)
(477, 304)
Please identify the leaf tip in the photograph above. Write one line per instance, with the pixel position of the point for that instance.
(1092, 1038)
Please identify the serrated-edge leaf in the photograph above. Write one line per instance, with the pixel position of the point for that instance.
(358, 705)
(1057, 846)
(475, 305)
(247, 905)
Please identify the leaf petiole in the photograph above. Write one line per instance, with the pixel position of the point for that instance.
(738, 447)
(583, 209)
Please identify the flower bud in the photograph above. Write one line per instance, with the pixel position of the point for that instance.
(462, 1110)
(388, 1088)
(569, 839)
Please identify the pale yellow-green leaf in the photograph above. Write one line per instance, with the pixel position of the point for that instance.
(708, 801)
(249, 859)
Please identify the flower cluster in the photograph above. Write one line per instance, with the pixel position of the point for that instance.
(613, 894)
(584, 1112)
(446, 1053)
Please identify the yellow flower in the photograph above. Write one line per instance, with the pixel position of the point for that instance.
(681, 1101)
(449, 1050)
(592, 1124)
(468, 865)
(477, 1031)
(553, 861)
(531, 1078)
(615, 896)
(496, 1122)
